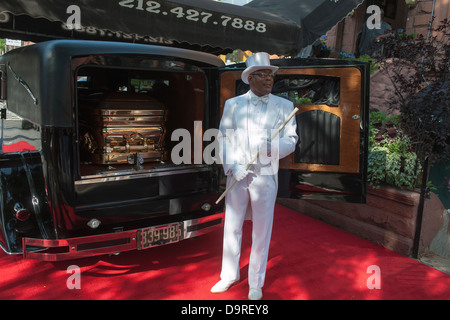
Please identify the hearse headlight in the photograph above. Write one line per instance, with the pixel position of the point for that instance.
(206, 207)
(94, 223)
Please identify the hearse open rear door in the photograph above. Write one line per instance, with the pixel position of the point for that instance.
(330, 160)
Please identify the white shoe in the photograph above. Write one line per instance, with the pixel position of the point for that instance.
(223, 286)
(255, 294)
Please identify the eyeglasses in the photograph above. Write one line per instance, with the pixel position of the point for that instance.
(263, 75)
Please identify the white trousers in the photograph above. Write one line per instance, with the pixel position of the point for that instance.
(259, 192)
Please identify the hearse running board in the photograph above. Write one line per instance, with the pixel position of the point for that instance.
(81, 247)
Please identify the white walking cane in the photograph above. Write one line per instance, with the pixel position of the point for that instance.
(257, 155)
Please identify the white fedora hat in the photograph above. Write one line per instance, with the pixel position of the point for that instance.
(257, 61)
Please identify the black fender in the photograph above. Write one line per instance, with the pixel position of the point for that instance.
(24, 209)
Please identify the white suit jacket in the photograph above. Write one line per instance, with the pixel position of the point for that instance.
(238, 139)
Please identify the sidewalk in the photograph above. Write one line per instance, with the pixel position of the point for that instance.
(435, 261)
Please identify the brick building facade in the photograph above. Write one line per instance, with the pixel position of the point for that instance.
(412, 16)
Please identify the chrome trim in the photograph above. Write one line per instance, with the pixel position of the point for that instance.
(130, 113)
(138, 174)
(100, 247)
(9, 253)
(15, 254)
(202, 221)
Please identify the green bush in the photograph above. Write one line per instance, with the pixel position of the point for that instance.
(364, 58)
(391, 158)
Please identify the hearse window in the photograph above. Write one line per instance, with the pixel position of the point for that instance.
(147, 85)
(311, 90)
(83, 82)
(304, 89)
(20, 135)
(319, 131)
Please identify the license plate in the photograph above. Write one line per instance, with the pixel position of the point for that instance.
(158, 236)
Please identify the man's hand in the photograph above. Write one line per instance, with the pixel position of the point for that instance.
(383, 36)
(239, 172)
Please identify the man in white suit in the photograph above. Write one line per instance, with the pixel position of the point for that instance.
(246, 127)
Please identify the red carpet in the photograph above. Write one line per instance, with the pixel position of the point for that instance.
(308, 260)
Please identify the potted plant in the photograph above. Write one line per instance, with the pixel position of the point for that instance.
(392, 159)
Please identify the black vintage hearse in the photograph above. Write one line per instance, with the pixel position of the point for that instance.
(85, 166)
